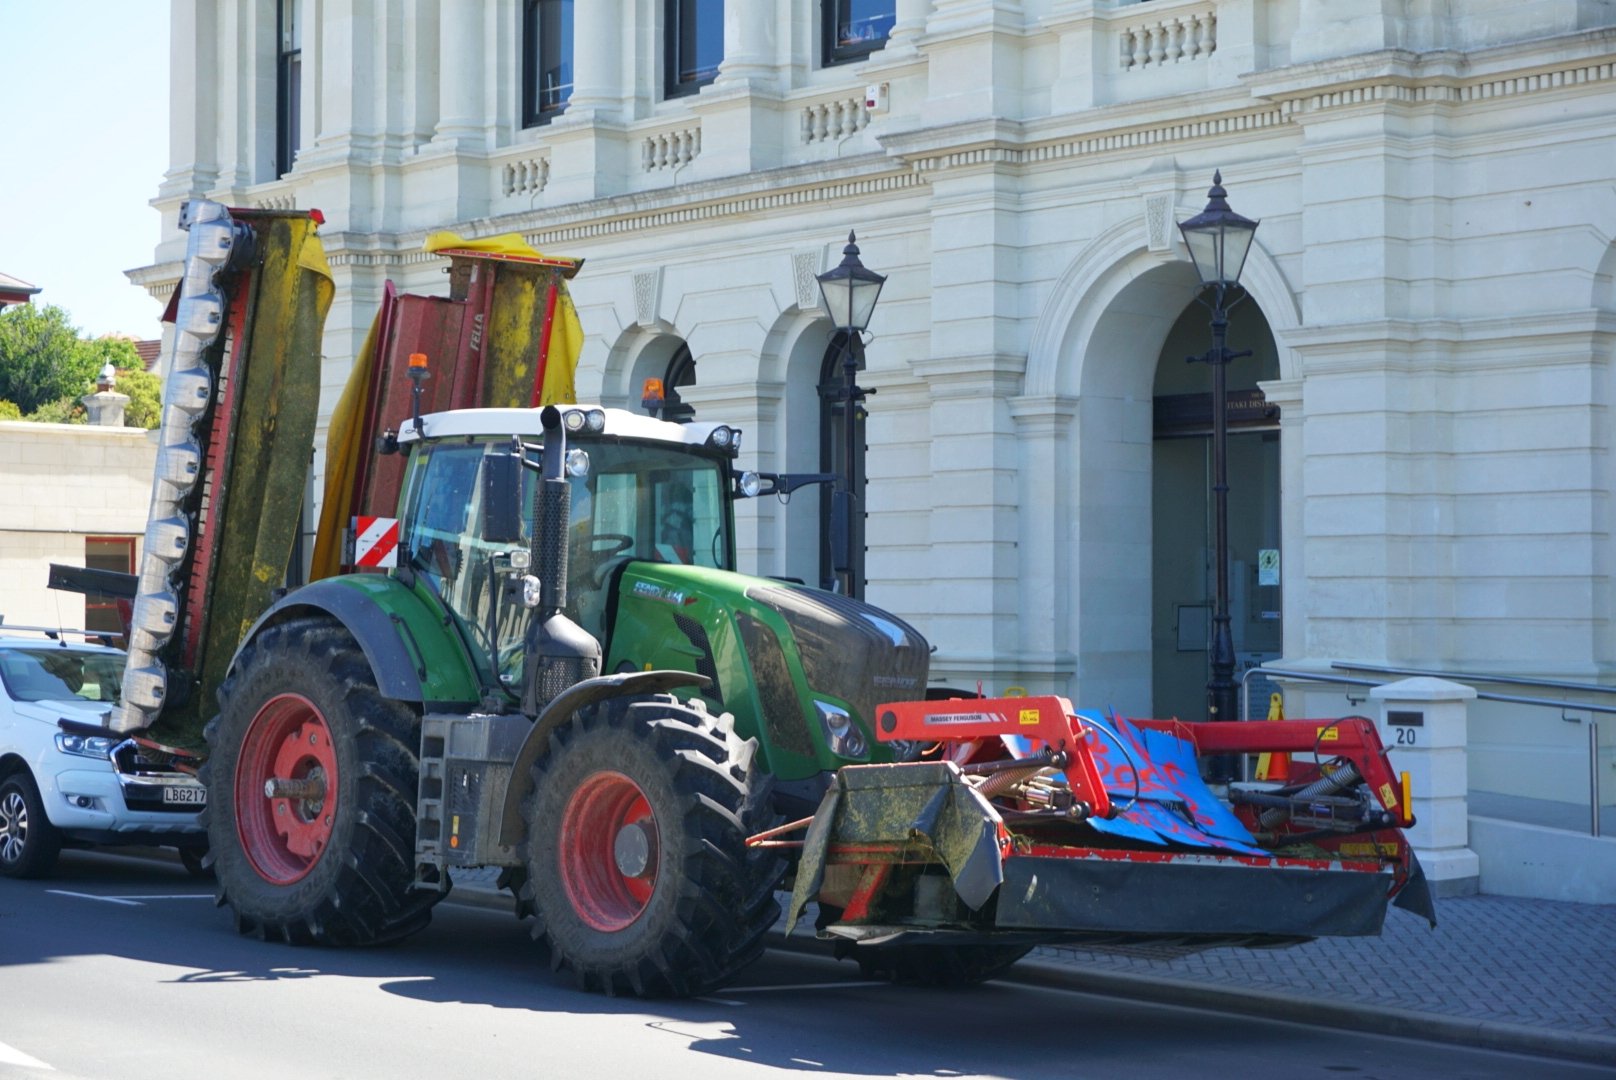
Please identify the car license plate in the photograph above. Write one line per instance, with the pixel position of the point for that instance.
(185, 796)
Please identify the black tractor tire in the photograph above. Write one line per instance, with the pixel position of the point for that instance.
(937, 965)
(196, 863)
(344, 876)
(29, 843)
(638, 876)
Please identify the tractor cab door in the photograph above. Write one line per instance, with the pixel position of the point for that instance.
(446, 543)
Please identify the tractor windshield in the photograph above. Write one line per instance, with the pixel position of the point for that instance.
(657, 502)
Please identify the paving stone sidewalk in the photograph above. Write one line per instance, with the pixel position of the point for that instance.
(1532, 975)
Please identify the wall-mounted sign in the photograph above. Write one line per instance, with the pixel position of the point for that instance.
(1268, 566)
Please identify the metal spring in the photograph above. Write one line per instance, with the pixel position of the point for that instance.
(1341, 779)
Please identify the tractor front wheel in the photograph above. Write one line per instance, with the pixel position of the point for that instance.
(311, 778)
(637, 872)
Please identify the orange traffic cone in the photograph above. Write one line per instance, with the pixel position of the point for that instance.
(1276, 766)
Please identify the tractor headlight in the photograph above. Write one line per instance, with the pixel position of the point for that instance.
(90, 746)
(725, 438)
(577, 463)
(842, 735)
(592, 421)
(748, 484)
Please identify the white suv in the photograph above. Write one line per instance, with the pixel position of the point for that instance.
(58, 782)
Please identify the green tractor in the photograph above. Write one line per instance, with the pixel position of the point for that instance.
(560, 674)
(601, 706)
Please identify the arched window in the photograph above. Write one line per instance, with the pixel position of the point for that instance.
(681, 372)
(833, 443)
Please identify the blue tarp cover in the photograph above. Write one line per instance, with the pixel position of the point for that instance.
(1153, 778)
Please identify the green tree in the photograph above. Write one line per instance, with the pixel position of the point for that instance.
(145, 390)
(61, 411)
(9, 410)
(43, 359)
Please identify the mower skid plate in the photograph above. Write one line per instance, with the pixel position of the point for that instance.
(1183, 896)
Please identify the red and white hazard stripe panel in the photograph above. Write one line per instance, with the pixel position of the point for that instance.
(375, 541)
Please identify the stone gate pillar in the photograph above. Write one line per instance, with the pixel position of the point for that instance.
(1422, 721)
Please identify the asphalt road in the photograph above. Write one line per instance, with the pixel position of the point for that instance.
(121, 967)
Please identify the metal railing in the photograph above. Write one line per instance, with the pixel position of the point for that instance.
(1466, 678)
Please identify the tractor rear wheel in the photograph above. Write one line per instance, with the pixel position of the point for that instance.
(311, 778)
(637, 870)
(938, 965)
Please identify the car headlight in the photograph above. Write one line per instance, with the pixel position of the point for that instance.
(90, 746)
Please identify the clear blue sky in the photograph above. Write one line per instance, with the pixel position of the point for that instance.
(83, 148)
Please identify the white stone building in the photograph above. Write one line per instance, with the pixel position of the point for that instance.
(75, 495)
(1432, 293)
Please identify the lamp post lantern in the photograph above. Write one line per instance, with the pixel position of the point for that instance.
(848, 293)
(1218, 240)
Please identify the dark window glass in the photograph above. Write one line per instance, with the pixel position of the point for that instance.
(546, 59)
(288, 86)
(856, 28)
(695, 44)
(107, 553)
(833, 458)
(681, 372)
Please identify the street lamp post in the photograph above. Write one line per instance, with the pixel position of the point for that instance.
(848, 293)
(1218, 240)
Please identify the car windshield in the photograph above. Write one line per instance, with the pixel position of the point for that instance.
(52, 673)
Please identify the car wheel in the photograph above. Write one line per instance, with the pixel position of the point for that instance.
(29, 843)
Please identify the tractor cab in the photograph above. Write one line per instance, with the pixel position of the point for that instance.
(642, 490)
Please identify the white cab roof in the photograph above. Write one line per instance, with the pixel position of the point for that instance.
(619, 422)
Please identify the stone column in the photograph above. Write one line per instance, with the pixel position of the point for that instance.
(749, 46)
(1045, 433)
(461, 71)
(909, 24)
(1422, 721)
(597, 48)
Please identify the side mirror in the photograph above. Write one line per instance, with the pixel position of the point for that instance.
(502, 499)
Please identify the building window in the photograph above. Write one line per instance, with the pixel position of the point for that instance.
(107, 553)
(695, 44)
(855, 28)
(681, 372)
(288, 85)
(546, 59)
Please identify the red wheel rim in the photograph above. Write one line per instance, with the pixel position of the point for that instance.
(283, 838)
(608, 851)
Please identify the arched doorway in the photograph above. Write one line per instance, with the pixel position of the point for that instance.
(1182, 561)
(835, 568)
(681, 373)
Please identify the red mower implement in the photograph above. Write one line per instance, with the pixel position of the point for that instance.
(1028, 822)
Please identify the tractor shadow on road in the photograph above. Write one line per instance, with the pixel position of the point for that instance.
(790, 1011)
